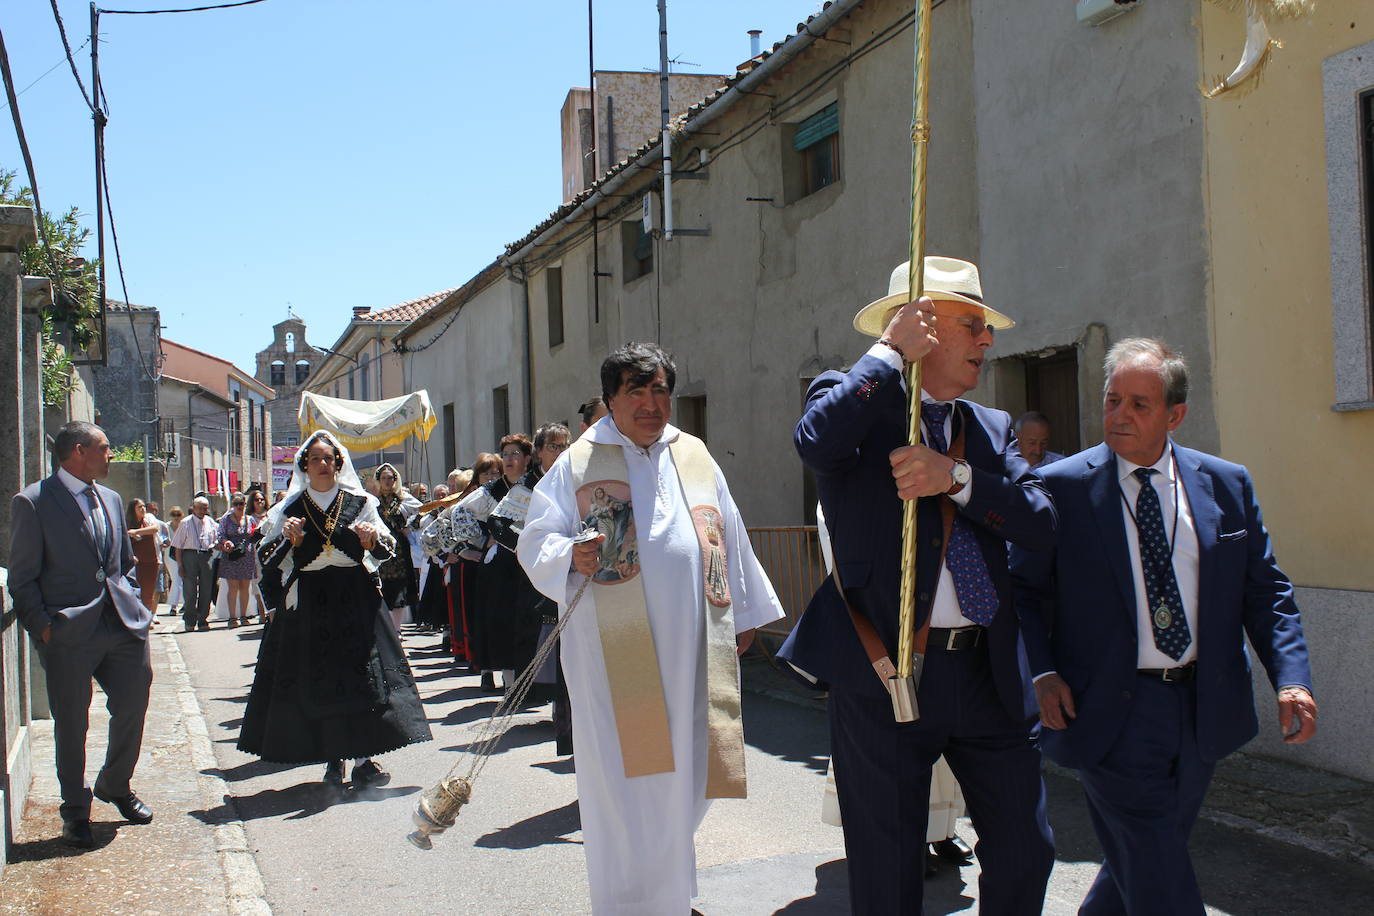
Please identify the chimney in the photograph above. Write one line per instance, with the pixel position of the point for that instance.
(361, 310)
(754, 42)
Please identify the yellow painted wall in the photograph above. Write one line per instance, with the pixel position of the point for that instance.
(1270, 298)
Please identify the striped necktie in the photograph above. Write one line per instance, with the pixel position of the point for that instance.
(98, 526)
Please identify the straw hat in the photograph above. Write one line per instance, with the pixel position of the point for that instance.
(948, 279)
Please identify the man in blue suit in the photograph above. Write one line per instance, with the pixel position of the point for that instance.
(1135, 625)
(975, 699)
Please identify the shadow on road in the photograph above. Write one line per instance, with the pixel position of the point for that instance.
(540, 830)
(54, 848)
(786, 731)
(525, 734)
(465, 714)
(250, 770)
(300, 801)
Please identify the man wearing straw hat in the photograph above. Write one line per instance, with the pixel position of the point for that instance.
(976, 493)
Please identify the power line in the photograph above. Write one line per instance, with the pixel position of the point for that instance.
(192, 9)
(119, 264)
(71, 59)
(28, 163)
(45, 73)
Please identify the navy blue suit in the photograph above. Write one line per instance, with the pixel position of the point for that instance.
(1146, 749)
(975, 704)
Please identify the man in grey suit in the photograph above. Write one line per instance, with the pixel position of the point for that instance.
(72, 580)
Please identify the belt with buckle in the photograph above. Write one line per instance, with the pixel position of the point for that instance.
(1179, 675)
(955, 638)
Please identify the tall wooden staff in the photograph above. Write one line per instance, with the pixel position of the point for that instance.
(908, 662)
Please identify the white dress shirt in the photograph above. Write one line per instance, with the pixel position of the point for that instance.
(196, 533)
(77, 486)
(1185, 555)
(945, 611)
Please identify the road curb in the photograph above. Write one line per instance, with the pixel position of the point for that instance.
(243, 884)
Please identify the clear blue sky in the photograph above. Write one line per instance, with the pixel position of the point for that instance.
(328, 153)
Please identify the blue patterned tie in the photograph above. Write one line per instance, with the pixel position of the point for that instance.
(1156, 560)
(972, 582)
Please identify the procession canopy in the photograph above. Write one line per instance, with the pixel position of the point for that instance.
(368, 426)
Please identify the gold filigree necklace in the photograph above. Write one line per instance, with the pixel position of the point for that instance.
(331, 521)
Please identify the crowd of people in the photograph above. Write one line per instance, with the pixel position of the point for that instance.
(1093, 608)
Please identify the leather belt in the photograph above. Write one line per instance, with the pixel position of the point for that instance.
(1180, 675)
(955, 638)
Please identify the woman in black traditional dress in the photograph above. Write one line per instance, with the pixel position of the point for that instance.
(396, 507)
(332, 681)
(496, 632)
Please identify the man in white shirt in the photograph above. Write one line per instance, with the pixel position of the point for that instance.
(194, 541)
(1033, 435)
(72, 579)
(975, 494)
(1160, 569)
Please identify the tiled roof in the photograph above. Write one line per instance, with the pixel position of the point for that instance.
(407, 311)
(678, 127)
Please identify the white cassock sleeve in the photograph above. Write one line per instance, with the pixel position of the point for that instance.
(753, 601)
(545, 545)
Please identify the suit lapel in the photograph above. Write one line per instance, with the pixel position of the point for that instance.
(1104, 494)
(1202, 503)
(64, 498)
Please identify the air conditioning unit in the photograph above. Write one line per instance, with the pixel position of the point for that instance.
(1096, 12)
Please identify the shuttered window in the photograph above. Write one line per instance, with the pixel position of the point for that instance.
(816, 128)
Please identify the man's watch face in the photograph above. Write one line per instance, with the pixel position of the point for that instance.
(961, 473)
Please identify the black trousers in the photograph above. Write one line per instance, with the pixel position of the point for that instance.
(882, 773)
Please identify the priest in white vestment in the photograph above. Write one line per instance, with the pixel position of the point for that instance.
(638, 829)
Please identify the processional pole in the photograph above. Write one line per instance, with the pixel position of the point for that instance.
(907, 671)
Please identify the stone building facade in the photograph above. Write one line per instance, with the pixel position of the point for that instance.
(1102, 197)
(286, 366)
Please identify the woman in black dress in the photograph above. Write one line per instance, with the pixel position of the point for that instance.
(332, 681)
(395, 508)
(496, 633)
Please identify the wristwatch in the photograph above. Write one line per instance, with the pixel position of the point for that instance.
(961, 474)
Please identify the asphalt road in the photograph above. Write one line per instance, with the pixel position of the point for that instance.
(516, 848)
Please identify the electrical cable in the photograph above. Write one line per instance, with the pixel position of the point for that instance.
(71, 59)
(119, 264)
(191, 9)
(28, 164)
(45, 73)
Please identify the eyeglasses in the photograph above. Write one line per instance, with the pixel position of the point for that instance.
(976, 326)
(512, 455)
(556, 446)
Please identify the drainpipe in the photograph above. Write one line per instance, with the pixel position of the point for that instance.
(667, 134)
(523, 278)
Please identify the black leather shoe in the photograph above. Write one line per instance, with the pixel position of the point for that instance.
(953, 849)
(131, 807)
(368, 775)
(334, 774)
(78, 834)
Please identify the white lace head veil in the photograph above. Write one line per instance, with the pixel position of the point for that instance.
(346, 478)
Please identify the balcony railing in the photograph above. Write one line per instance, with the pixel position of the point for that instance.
(791, 555)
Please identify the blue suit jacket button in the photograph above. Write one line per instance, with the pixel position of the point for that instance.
(1125, 694)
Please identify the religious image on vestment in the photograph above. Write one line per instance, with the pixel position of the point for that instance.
(605, 508)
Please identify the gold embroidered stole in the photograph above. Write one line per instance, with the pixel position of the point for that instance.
(600, 479)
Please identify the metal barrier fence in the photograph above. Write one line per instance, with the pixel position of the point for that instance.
(791, 556)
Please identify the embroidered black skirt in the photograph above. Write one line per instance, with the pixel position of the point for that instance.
(332, 681)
